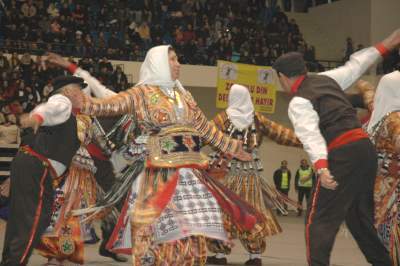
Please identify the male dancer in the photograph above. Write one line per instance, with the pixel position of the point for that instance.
(104, 175)
(343, 156)
(46, 154)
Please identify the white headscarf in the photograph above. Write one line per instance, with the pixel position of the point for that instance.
(155, 70)
(240, 109)
(387, 98)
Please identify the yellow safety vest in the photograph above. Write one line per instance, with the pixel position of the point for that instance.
(303, 174)
(285, 180)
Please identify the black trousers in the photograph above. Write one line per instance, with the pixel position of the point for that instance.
(354, 167)
(105, 177)
(302, 193)
(31, 202)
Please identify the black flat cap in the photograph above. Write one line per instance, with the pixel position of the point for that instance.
(290, 64)
(61, 81)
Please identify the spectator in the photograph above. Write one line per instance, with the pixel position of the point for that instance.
(119, 80)
(52, 10)
(104, 63)
(144, 33)
(28, 9)
(14, 61)
(188, 34)
(4, 65)
(303, 183)
(47, 90)
(282, 178)
(349, 50)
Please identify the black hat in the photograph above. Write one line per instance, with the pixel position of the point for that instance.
(290, 64)
(61, 81)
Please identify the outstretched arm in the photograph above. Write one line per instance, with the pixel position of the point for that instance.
(277, 132)
(362, 60)
(95, 87)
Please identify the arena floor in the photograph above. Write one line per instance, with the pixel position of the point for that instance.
(286, 249)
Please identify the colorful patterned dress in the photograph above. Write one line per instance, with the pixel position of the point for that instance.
(172, 205)
(65, 236)
(245, 179)
(386, 136)
(387, 184)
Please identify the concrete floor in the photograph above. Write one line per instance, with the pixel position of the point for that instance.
(286, 249)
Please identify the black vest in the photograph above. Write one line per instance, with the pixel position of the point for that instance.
(336, 114)
(59, 143)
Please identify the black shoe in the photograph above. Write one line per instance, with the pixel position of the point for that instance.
(254, 262)
(106, 253)
(214, 260)
(299, 213)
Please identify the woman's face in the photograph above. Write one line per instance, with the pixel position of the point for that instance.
(174, 65)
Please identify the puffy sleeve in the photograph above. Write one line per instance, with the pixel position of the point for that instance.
(55, 111)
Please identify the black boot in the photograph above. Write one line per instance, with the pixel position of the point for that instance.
(216, 261)
(106, 253)
(254, 262)
(107, 228)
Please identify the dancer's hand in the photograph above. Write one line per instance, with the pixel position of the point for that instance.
(241, 155)
(327, 180)
(392, 41)
(26, 120)
(57, 60)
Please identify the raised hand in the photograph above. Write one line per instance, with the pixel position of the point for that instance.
(240, 154)
(393, 40)
(57, 60)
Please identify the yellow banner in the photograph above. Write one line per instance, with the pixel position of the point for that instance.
(260, 80)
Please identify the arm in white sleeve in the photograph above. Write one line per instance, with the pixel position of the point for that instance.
(55, 111)
(358, 64)
(98, 89)
(305, 121)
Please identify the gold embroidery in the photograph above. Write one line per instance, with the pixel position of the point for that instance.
(161, 149)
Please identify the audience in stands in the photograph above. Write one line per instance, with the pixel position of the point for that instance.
(202, 31)
(26, 82)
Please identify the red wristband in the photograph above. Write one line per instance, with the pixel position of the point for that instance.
(38, 118)
(382, 49)
(321, 163)
(72, 68)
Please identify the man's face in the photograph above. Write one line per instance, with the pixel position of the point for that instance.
(304, 163)
(284, 164)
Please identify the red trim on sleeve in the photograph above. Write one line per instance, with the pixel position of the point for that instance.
(321, 163)
(382, 49)
(72, 68)
(38, 118)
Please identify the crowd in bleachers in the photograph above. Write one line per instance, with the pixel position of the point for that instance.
(26, 81)
(202, 31)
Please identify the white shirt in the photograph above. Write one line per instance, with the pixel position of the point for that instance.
(305, 119)
(55, 111)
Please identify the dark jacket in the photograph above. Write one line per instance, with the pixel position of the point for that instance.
(278, 178)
